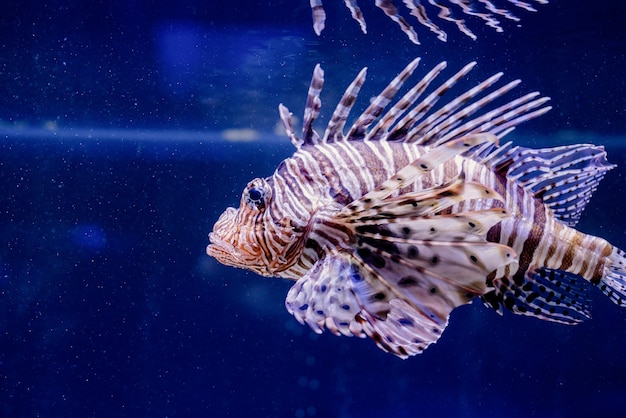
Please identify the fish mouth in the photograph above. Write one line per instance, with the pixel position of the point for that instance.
(223, 251)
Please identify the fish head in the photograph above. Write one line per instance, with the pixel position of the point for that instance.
(249, 237)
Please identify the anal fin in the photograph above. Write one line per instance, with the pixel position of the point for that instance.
(552, 295)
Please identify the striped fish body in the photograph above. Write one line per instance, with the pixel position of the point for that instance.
(532, 230)
(388, 228)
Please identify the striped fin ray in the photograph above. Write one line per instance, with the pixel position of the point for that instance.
(391, 11)
(446, 14)
(563, 177)
(429, 128)
(453, 119)
(313, 105)
(484, 10)
(501, 12)
(421, 109)
(527, 6)
(319, 16)
(334, 130)
(499, 121)
(488, 18)
(285, 117)
(356, 13)
(419, 11)
(374, 110)
(382, 127)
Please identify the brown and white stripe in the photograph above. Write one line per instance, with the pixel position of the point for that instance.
(485, 10)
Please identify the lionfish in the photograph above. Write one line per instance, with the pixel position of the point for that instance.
(485, 10)
(415, 210)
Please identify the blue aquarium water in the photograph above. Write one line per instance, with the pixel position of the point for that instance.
(128, 127)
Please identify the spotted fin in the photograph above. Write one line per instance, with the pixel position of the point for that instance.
(324, 298)
(410, 267)
(335, 295)
(472, 225)
(433, 276)
(409, 243)
(552, 295)
(433, 261)
(401, 307)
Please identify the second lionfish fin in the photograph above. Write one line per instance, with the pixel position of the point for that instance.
(391, 11)
(484, 10)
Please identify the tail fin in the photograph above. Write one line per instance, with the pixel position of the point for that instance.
(613, 284)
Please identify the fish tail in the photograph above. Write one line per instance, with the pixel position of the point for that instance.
(613, 284)
(555, 286)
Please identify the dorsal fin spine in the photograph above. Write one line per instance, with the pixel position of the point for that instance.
(414, 121)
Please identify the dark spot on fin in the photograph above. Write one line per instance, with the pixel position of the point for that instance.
(547, 294)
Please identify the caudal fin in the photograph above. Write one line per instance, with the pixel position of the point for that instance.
(613, 284)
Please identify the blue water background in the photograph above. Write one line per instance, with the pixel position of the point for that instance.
(117, 157)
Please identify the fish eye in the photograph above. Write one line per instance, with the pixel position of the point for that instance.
(255, 194)
(256, 197)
